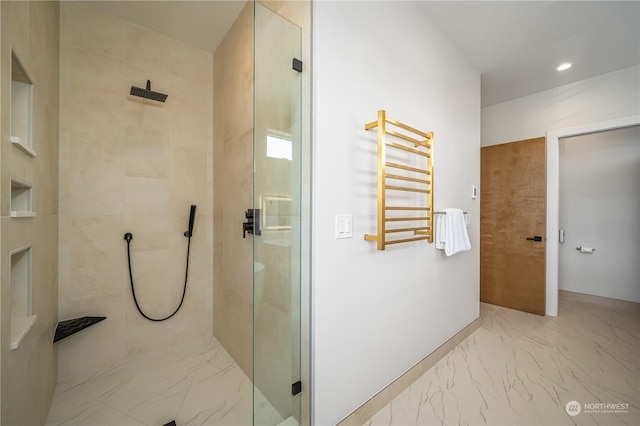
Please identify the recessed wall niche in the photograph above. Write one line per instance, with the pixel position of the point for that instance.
(22, 318)
(21, 199)
(21, 107)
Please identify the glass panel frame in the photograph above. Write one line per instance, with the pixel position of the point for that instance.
(277, 249)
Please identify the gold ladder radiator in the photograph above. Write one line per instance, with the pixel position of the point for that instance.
(394, 135)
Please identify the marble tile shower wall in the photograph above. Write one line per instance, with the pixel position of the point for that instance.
(233, 190)
(28, 373)
(132, 165)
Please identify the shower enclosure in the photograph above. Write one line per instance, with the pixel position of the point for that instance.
(226, 130)
(277, 197)
(261, 248)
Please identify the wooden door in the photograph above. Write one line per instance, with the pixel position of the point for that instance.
(512, 216)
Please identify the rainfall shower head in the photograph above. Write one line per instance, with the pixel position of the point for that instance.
(148, 93)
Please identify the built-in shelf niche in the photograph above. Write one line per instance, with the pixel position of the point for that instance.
(21, 107)
(22, 318)
(21, 199)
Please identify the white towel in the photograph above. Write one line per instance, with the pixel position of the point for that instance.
(439, 231)
(456, 238)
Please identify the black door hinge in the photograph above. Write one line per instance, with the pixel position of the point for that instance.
(297, 64)
(296, 388)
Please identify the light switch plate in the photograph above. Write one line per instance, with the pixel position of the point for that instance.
(344, 226)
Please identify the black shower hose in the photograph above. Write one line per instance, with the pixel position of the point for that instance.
(128, 237)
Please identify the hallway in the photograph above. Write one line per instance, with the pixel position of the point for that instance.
(523, 369)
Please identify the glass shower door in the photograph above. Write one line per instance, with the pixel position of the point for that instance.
(277, 198)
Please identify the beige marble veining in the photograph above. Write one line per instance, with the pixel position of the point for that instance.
(146, 152)
(233, 190)
(30, 37)
(96, 31)
(523, 369)
(132, 165)
(295, 11)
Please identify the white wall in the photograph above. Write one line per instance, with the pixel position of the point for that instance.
(605, 102)
(377, 313)
(599, 208)
(605, 97)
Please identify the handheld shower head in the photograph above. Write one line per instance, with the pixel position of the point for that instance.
(192, 219)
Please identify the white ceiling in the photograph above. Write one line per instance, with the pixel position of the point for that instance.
(516, 45)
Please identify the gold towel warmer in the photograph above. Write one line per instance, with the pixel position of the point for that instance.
(422, 148)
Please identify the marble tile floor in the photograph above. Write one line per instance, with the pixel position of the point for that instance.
(524, 369)
(195, 384)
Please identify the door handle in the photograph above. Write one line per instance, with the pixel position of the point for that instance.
(537, 238)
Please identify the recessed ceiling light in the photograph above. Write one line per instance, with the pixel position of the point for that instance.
(564, 66)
